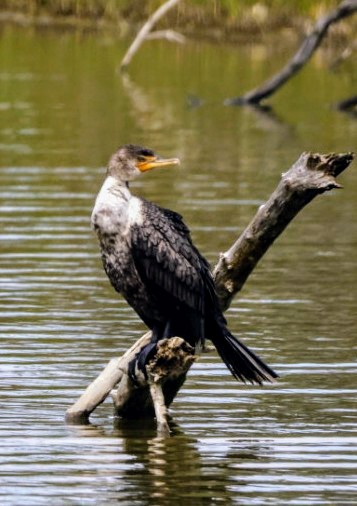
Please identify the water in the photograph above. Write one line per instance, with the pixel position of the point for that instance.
(63, 111)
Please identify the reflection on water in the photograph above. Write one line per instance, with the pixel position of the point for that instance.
(63, 111)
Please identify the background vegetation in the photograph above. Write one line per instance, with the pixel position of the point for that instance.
(226, 14)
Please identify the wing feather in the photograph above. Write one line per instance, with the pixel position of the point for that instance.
(166, 259)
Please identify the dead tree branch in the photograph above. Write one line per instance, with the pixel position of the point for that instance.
(146, 29)
(101, 387)
(304, 53)
(311, 175)
(170, 35)
(348, 105)
(307, 178)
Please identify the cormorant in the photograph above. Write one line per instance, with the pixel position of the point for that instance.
(150, 259)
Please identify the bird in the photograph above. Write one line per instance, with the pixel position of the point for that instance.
(150, 259)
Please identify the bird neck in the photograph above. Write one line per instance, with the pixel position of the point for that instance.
(115, 182)
(114, 208)
(116, 187)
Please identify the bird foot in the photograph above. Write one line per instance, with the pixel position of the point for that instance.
(139, 362)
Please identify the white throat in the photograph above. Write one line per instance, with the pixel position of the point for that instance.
(115, 209)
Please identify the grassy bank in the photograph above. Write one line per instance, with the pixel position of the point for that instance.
(225, 18)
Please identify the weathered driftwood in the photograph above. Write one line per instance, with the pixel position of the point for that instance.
(166, 374)
(304, 53)
(101, 387)
(146, 29)
(311, 175)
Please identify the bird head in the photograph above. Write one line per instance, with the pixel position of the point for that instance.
(130, 161)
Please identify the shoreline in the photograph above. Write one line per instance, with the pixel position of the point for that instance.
(247, 28)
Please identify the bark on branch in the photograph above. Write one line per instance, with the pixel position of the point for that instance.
(311, 175)
(304, 53)
(307, 178)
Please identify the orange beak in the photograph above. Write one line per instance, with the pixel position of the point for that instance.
(151, 162)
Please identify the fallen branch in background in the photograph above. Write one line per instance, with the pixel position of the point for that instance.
(144, 32)
(170, 35)
(311, 175)
(304, 53)
(349, 105)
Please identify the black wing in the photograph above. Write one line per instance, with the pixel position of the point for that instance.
(173, 269)
(167, 261)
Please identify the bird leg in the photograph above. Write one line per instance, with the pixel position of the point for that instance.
(137, 366)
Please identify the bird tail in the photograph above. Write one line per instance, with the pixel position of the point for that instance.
(243, 363)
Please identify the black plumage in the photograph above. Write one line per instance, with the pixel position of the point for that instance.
(150, 259)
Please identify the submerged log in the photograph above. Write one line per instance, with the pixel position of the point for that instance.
(348, 105)
(304, 53)
(311, 175)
